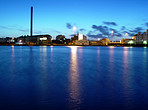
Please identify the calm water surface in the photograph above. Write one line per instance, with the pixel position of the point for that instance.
(72, 78)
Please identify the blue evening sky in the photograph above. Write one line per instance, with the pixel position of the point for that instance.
(93, 18)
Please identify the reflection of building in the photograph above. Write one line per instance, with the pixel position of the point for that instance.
(142, 38)
(80, 39)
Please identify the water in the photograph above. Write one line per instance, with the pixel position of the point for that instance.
(62, 78)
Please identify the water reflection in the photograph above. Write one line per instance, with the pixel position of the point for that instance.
(145, 75)
(74, 91)
(111, 59)
(51, 58)
(98, 59)
(43, 78)
(12, 65)
(12, 57)
(127, 87)
(125, 68)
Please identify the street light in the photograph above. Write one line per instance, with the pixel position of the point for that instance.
(112, 34)
(99, 39)
(74, 28)
(126, 35)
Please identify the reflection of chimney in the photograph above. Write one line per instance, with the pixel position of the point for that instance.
(31, 28)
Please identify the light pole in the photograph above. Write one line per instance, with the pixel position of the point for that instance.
(126, 35)
(112, 35)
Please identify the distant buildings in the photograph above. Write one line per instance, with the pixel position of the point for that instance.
(34, 40)
(61, 40)
(80, 39)
(7, 40)
(141, 38)
(102, 42)
(127, 41)
(60, 37)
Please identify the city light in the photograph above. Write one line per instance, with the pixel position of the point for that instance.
(44, 38)
(99, 39)
(131, 42)
(80, 36)
(126, 47)
(145, 42)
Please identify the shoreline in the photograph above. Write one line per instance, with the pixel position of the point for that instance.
(135, 45)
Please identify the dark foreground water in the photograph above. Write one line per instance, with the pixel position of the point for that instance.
(62, 78)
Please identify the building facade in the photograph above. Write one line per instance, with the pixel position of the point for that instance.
(142, 38)
(34, 40)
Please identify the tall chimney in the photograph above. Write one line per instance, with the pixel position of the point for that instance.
(31, 29)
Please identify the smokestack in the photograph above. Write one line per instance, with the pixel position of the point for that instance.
(31, 30)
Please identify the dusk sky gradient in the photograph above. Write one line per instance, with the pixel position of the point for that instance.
(93, 18)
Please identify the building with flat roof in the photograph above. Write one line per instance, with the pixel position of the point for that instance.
(35, 40)
(142, 38)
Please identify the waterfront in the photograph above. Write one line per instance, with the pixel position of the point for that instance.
(60, 77)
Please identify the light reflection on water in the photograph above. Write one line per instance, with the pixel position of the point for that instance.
(111, 60)
(74, 91)
(74, 77)
(145, 69)
(44, 72)
(127, 75)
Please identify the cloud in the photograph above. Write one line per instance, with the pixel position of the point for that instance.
(96, 36)
(123, 28)
(5, 27)
(118, 35)
(103, 29)
(92, 34)
(69, 26)
(146, 24)
(110, 23)
(136, 30)
(133, 31)
(103, 32)
(72, 35)
(14, 28)
(82, 29)
(23, 30)
(116, 32)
